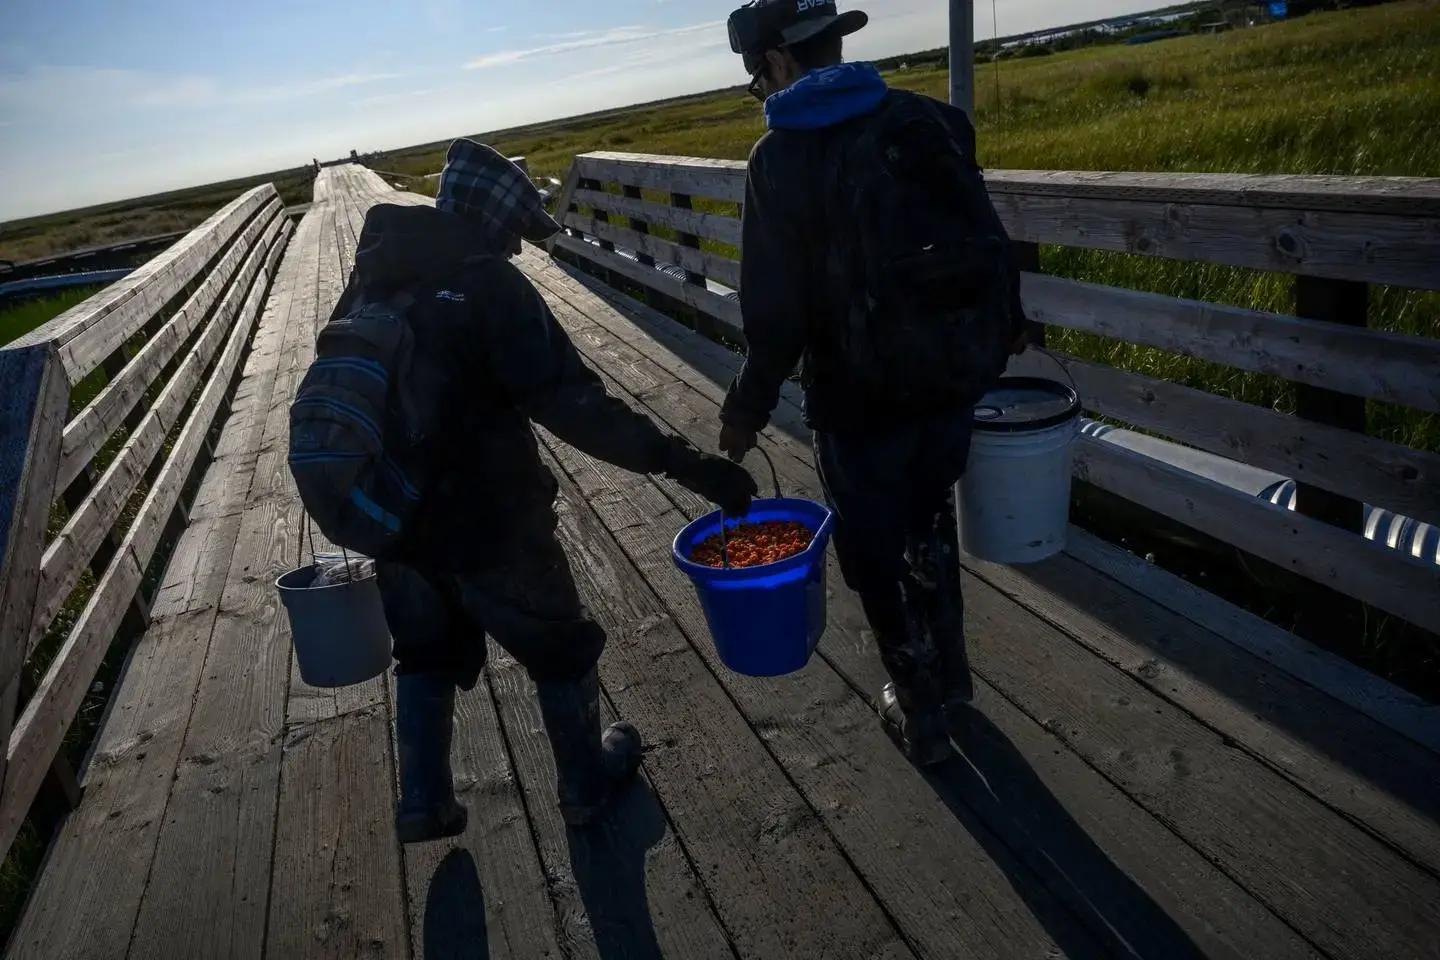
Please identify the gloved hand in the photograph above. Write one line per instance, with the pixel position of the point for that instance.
(724, 483)
(736, 442)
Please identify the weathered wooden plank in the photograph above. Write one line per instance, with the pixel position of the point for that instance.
(1342, 461)
(726, 312)
(1371, 248)
(711, 226)
(483, 893)
(88, 431)
(84, 904)
(338, 884)
(30, 430)
(1384, 366)
(775, 876)
(1381, 701)
(1391, 196)
(1217, 913)
(90, 332)
(1397, 583)
(624, 888)
(1338, 887)
(1373, 775)
(40, 730)
(74, 547)
(723, 269)
(700, 176)
(207, 893)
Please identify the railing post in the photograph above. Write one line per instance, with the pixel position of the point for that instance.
(1344, 302)
(703, 323)
(1027, 258)
(32, 421)
(638, 225)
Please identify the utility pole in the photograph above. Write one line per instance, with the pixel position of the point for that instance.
(962, 56)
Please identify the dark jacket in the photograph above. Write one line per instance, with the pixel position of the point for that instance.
(506, 361)
(790, 311)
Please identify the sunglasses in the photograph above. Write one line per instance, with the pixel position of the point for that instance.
(754, 88)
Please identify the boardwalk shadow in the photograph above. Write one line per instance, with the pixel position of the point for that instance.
(1388, 760)
(455, 911)
(993, 791)
(608, 861)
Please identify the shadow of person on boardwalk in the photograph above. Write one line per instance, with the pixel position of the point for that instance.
(455, 911)
(992, 789)
(608, 862)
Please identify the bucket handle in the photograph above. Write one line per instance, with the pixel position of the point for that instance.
(307, 527)
(1061, 364)
(775, 479)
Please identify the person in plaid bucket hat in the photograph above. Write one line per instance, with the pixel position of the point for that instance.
(482, 186)
(483, 556)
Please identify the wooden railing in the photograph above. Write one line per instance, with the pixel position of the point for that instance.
(1334, 235)
(164, 341)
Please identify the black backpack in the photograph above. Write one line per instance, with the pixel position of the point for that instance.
(361, 424)
(923, 264)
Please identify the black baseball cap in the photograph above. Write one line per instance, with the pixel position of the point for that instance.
(771, 24)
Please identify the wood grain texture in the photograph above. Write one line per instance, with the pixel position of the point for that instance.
(700, 176)
(725, 312)
(208, 892)
(91, 427)
(1392, 367)
(88, 333)
(1218, 914)
(1372, 229)
(337, 889)
(723, 269)
(623, 888)
(84, 904)
(68, 555)
(1371, 774)
(1159, 872)
(41, 728)
(776, 877)
(1379, 472)
(1389, 705)
(30, 430)
(1402, 585)
(483, 893)
(711, 226)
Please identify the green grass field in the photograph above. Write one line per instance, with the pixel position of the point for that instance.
(1353, 92)
(123, 220)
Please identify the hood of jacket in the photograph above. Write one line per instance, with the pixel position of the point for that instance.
(401, 244)
(825, 97)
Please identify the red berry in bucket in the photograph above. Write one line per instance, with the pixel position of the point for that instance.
(753, 544)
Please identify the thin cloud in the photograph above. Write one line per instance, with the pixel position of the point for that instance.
(616, 37)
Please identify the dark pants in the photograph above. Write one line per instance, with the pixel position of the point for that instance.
(895, 539)
(526, 600)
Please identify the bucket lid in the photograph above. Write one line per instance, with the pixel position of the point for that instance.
(1019, 404)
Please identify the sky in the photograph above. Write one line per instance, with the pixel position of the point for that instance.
(102, 100)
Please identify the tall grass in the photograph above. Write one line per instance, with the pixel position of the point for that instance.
(1353, 92)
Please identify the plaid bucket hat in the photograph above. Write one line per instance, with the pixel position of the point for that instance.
(483, 186)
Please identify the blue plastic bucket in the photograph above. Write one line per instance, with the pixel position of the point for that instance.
(765, 620)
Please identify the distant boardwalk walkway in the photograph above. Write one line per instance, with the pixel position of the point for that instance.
(1132, 784)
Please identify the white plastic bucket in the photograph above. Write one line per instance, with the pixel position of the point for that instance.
(338, 631)
(1013, 503)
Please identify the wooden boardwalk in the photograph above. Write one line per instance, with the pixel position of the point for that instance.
(1135, 781)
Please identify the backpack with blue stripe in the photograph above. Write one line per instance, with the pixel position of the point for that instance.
(359, 427)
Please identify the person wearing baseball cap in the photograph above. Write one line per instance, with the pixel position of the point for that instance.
(483, 556)
(887, 457)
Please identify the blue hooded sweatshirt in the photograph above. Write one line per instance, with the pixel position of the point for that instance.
(825, 97)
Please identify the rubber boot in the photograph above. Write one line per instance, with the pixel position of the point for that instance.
(424, 726)
(910, 704)
(589, 764)
(936, 562)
